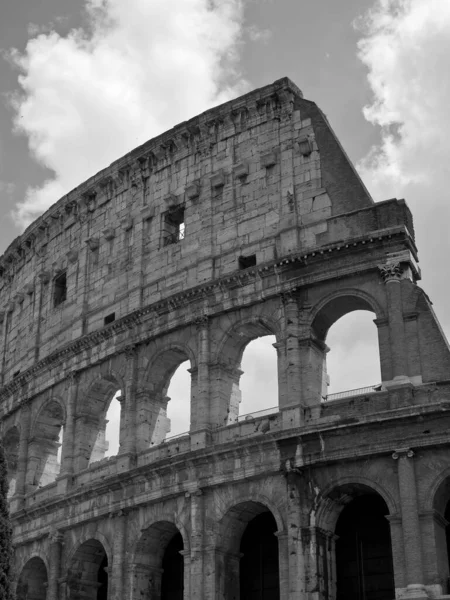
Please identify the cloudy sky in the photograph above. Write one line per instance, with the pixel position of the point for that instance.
(84, 81)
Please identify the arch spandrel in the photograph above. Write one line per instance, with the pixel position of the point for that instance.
(162, 362)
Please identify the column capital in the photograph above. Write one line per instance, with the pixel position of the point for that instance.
(201, 322)
(403, 453)
(391, 272)
(73, 378)
(56, 537)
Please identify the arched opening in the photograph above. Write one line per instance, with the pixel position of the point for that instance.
(44, 454)
(441, 534)
(364, 569)
(258, 569)
(259, 380)
(11, 451)
(245, 375)
(158, 569)
(112, 429)
(248, 562)
(172, 581)
(166, 408)
(179, 400)
(32, 581)
(107, 440)
(346, 357)
(87, 576)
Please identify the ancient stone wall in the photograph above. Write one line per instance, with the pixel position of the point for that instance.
(246, 221)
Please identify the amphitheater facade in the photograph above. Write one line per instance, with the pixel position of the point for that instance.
(248, 220)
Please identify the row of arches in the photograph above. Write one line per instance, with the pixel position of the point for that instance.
(362, 568)
(251, 386)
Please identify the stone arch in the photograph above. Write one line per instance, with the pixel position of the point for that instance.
(91, 417)
(242, 332)
(340, 492)
(233, 559)
(255, 497)
(438, 492)
(33, 579)
(11, 441)
(226, 364)
(85, 537)
(153, 400)
(339, 303)
(87, 566)
(43, 464)
(437, 523)
(149, 554)
(164, 362)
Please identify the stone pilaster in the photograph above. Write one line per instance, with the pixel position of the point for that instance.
(67, 454)
(118, 567)
(54, 574)
(197, 542)
(128, 420)
(391, 274)
(410, 524)
(22, 460)
(293, 355)
(200, 416)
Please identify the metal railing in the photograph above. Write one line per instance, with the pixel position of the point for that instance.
(357, 392)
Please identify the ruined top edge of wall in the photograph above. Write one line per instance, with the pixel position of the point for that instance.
(283, 88)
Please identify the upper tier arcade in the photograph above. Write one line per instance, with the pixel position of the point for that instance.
(239, 187)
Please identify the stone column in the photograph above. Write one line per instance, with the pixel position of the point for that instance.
(283, 563)
(128, 445)
(187, 577)
(197, 537)
(227, 575)
(200, 417)
(296, 560)
(293, 355)
(391, 274)
(54, 574)
(22, 460)
(119, 548)
(67, 454)
(410, 524)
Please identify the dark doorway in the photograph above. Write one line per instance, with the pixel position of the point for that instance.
(363, 551)
(172, 582)
(102, 579)
(259, 572)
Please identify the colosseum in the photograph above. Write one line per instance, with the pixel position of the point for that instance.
(246, 221)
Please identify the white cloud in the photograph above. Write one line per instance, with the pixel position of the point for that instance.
(146, 65)
(405, 47)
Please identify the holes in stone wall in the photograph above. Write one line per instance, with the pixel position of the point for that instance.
(353, 360)
(245, 262)
(60, 289)
(109, 318)
(173, 226)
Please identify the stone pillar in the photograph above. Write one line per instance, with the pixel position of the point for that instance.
(227, 575)
(391, 274)
(187, 577)
(225, 396)
(313, 353)
(54, 574)
(293, 354)
(410, 524)
(67, 454)
(118, 559)
(296, 588)
(128, 416)
(197, 542)
(200, 417)
(22, 460)
(146, 582)
(283, 563)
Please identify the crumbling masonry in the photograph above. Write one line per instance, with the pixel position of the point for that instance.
(245, 221)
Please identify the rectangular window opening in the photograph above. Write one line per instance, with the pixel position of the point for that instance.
(60, 289)
(245, 262)
(174, 226)
(109, 318)
(16, 374)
